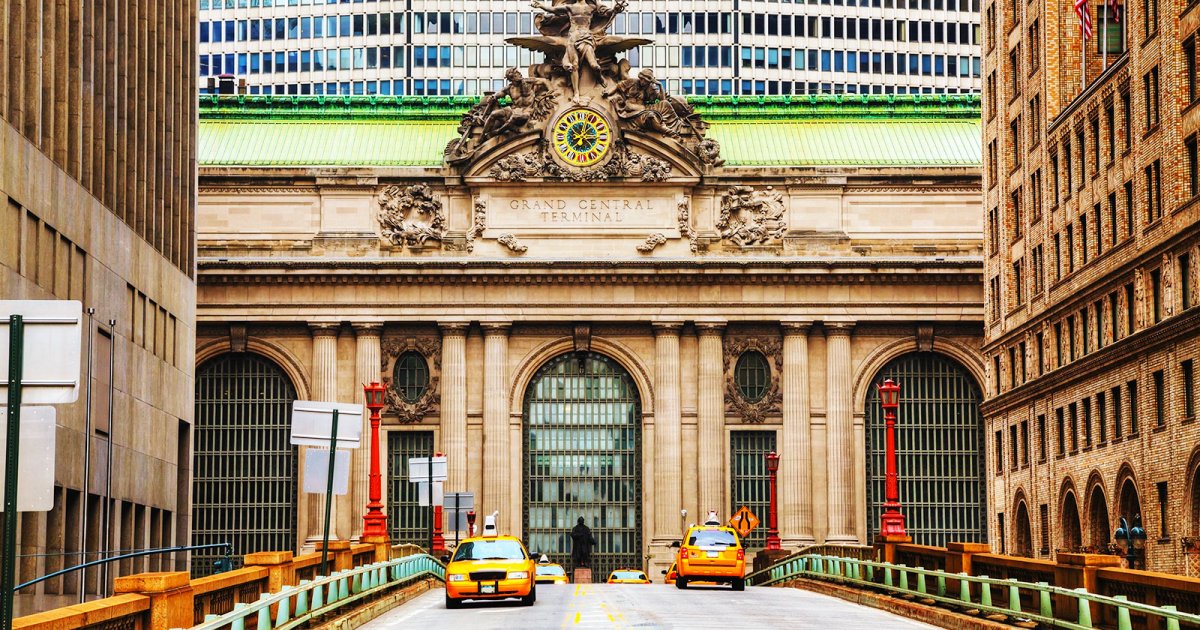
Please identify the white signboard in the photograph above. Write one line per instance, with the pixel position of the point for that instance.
(35, 470)
(423, 494)
(316, 471)
(420, 470)
(53, 343)
(312, 423)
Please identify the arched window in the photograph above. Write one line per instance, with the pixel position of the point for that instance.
(1024, 532)
(1072, 534)
(752, 375)
(1098, 520)
(411, 376)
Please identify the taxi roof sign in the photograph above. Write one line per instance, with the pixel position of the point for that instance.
(744, 521)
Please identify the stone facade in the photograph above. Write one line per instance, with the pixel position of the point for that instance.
(97, 199)
(1091, 267)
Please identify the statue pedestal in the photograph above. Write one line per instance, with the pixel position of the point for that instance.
(582, 575)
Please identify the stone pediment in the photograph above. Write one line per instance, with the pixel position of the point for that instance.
(579, 114)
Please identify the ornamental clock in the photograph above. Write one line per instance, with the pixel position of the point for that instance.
(581, 137)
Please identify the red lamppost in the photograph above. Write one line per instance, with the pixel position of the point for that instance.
(772, 526)
(374, 521)
(891, 522)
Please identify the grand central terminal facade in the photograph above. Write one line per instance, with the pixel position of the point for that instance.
(597, 300)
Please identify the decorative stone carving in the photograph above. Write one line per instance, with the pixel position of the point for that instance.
(537, 163)
(429, 403)
(1139, 300)
(582, 337)
(1168, 286)
(709, 152)
(530, 101)
(652, 243)
(512, 243)
(685, 223)
(479, 223)
(411, 216)
(924, 337)
(752, 217)
(772, 400)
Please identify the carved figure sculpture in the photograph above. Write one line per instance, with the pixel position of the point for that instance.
(644, 105)
(411, 216)
(750, 217)
(531, 100)
(585, 20)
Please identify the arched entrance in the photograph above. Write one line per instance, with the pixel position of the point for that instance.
(1101, 533)
(1072, 533)
(1023, 536)
(939, 440)
(244, 468)
(582, 451)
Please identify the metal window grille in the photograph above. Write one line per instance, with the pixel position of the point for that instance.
(750, 483)
(244, 484)
(407, 520)
(752, 375)
(939, 439)
(412, 376)
(582, 457)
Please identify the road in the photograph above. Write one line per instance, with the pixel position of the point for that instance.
(645, 606)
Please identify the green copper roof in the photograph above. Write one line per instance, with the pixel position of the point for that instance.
(757, 131)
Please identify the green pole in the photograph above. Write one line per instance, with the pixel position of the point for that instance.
(16, 358)
(328, 492)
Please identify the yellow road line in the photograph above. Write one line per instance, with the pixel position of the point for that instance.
(577, 617)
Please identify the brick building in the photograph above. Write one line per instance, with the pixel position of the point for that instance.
(1090, 179)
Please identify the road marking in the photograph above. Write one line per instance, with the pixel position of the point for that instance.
(577, 615)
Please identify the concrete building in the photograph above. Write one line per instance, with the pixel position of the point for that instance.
(97, 198)
(428, 47)
(1091, 183)
(620, 332)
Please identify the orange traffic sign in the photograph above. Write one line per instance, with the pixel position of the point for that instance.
(744, 521)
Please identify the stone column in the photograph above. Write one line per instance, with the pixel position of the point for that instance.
(454, 404)
(795, 472)
(368, 354)
(840, 435)
(496, 464)
(668, 433)
(324, 389)
(710, 415)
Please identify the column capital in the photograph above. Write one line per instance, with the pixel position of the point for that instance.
(710, 329)
(838, 329)
(667, 328)
(458, 329)
(495, 328)
(797, 327)
(367, 329)
(323, 329)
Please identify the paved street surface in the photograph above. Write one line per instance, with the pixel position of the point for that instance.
(645, 606)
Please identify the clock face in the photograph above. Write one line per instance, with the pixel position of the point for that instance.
(581, 137)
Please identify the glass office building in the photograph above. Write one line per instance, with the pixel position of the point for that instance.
(439, 47)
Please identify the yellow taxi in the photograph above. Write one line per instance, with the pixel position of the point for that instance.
(711, 553)
(549, 573)
(670, 575)
(628, 576)
(490, 567)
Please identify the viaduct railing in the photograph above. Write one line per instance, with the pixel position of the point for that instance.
(1078, 591)
(276, 588)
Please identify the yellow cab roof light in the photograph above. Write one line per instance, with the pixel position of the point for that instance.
(489, 524)
(712, 519)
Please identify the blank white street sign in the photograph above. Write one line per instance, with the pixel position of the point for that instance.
(312, 423)
(418, 469)
(423, 494)
(53, 344)
(35, 472)
(316, 471)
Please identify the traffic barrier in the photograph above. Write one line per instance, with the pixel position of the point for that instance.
(895, 580)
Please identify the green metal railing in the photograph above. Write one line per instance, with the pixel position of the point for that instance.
(973, 592)
(296, 605)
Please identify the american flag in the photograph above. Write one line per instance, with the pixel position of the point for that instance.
(1085, 18)
(1114, 7)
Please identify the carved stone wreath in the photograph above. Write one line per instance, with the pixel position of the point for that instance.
(772, 400)
(752, 217)
(411, 216)
(429, 402)
(624, 164)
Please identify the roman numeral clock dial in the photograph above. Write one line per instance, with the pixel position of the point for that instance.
(581, 137)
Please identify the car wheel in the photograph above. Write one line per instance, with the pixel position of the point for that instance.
(452, 603)
(681, 582)
(739, 584)
(529, 599)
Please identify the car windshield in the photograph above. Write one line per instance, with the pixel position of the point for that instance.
(712, 538)
(628, 575)
(490, 550)
(551, 570)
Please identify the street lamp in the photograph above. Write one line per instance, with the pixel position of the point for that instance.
(773, 528)
(374, 521)
(1131, 540)
(891, 522)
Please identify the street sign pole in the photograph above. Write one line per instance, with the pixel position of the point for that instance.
(431, 511)
(329, 490)
(16, 360)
